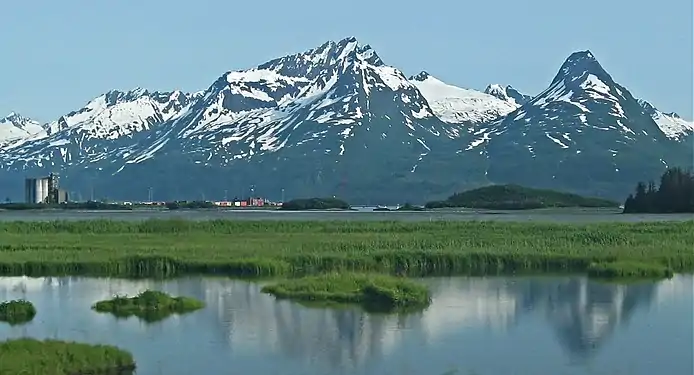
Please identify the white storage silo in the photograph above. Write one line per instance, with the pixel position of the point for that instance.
(38, 190)
(44, 189)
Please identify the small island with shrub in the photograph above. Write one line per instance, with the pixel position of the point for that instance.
(515, 197)
(375, 293)
(17, 312)
(52, 357)
(150, 306)
(315, 204)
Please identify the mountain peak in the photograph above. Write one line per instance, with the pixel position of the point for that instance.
(311, 63)
(15, 118)
(507, 93)
(421, 76)
(495, 89)
(577, 65)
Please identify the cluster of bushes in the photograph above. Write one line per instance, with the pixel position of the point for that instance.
(17, 312)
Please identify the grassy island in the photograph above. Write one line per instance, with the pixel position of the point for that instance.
(514, 197)
(149, 305)
(167, 248)
(51, 357)
(17, 312)
(373, 292)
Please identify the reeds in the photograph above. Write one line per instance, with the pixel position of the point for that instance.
(166, 248)
(52, 357)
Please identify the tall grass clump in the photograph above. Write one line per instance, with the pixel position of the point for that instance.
(150, 306)
(17, 312)
(52, 357)
(169, 248)
(374, 292)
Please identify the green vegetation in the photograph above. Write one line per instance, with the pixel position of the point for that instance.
(64, 206)
(315, 204)
(167, 248)
(629, 269)
(514, 197)
(674, 195)
(17, 312)
(378, 293)
(51, 357)
(410, 207)
(189, 205)
(150, 306)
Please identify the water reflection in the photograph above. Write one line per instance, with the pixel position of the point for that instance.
(471, 321)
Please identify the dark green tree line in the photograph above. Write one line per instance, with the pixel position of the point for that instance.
(674, 195)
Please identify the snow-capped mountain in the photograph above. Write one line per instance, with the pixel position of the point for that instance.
(321, 98)
(457, 105)
(596, 132)
(14, 127)
(95, 132)
(336, 120)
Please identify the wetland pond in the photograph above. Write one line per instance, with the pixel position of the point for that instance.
(482, 326)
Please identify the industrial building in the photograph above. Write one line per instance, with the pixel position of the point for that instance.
(44, 190)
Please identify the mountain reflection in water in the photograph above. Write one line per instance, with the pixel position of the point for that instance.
(242, 323)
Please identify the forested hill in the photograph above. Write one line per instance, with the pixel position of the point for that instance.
(515, 197)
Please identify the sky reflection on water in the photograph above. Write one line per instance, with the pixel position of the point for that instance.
(541, 325)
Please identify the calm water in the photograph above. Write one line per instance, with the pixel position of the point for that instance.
(475, 326)
(365, 214)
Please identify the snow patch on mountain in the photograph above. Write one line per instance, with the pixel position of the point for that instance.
(457, 105)
(117, 113)
(671, 124)
(507, 94)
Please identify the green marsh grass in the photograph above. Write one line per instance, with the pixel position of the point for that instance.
(150, 306)
(168, 248)
(17, 312)
(51, 357)
(377, 293)
(628, 270)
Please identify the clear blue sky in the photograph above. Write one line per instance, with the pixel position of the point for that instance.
(57, 55)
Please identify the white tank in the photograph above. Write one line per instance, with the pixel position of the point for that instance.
(38, 190)
(44, 188)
